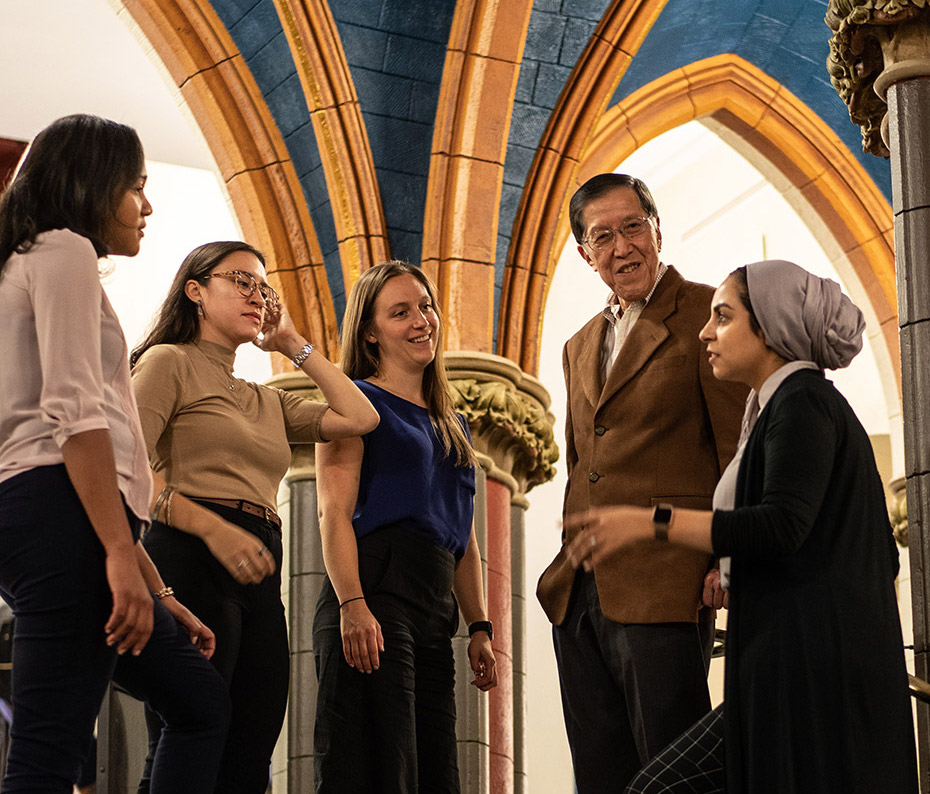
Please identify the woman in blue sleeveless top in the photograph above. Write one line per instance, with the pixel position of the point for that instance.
(401, 556)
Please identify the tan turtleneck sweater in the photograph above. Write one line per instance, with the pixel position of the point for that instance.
(210, 434)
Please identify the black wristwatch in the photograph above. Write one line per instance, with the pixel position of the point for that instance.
(481, 625)
(661, 517)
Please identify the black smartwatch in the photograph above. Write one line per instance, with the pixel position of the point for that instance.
(481, 625)
(661, 517)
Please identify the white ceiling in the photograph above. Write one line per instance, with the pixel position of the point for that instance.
(83, 56)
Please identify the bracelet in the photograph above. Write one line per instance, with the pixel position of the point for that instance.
(302, 355)
(357, 598)
(164, 593)
(159, 501)
(171, 493)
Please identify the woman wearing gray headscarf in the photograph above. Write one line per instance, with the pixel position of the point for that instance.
(816, 693)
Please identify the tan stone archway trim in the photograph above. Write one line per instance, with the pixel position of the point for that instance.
(798, 153)
(479, 81)
(533, 251)
(219, 89)
(340, 133)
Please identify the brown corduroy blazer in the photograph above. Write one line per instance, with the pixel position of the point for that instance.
(661, 429)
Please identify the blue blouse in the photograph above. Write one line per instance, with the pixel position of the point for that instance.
(407, 477)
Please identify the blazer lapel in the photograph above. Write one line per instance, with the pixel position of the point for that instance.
(647, 334)
(587, 367)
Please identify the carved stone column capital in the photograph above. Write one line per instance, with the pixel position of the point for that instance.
(898, 511)
(875, 43)
(508, 413)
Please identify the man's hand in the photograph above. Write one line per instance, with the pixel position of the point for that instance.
(714, 595)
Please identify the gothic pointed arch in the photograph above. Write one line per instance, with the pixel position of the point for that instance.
(793, 147)
(531, 258)
(340, 133)
(218, 88)
(467, 163)
(796, 151)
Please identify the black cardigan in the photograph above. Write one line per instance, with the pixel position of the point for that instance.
(816, 686)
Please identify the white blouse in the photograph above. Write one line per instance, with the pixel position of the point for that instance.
(63, 364)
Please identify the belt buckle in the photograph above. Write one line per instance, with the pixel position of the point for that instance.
(268, 515)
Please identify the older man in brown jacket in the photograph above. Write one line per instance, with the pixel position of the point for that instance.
(647, 424)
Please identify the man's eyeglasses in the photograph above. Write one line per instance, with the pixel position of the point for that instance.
(246, 284)
(631, 228)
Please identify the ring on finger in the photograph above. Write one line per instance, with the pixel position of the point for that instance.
(242, 563)
(262, 550)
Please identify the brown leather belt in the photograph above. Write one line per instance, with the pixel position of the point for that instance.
(246, 507)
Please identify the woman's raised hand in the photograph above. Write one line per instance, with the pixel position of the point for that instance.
(362, 641)
(278, 333)
(246, 558)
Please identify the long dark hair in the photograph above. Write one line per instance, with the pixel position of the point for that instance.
(176, 321)
(73, 177)
(362, 359)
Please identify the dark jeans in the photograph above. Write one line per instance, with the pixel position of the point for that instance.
(251, 642)
(627, 689)
(391, 731)
(52, 573)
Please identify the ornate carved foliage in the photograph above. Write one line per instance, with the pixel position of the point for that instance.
(512, 428)
(861, 30)
(897, 511)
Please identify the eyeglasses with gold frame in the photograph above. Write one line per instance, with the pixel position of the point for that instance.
(631, 228)
(247, 284)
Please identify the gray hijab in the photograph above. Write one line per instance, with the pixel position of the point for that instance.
(804, 317)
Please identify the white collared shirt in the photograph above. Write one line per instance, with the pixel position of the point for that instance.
(622, 320)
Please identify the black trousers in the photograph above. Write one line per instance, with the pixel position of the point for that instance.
(391, 731)
(251, 643)
(52, 573)
(627, 689)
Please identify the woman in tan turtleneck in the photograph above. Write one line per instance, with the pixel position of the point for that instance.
(221, 446)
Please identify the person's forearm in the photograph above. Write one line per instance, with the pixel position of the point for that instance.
(343, 397)
(602, 531)
(150, 573)
(186, 515)
(91, 467)
(340, 555)
(468, 584)
(354, 413)
(691, 529)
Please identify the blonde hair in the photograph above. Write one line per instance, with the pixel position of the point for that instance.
(361, 358)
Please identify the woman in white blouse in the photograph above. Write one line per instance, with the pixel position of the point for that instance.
(75, 482)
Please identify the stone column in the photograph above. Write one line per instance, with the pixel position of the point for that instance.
(518, 508)
(512, 432)
(508, 413)
(905, 82)
(302, 577)
(885, 45)
(909, 139)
